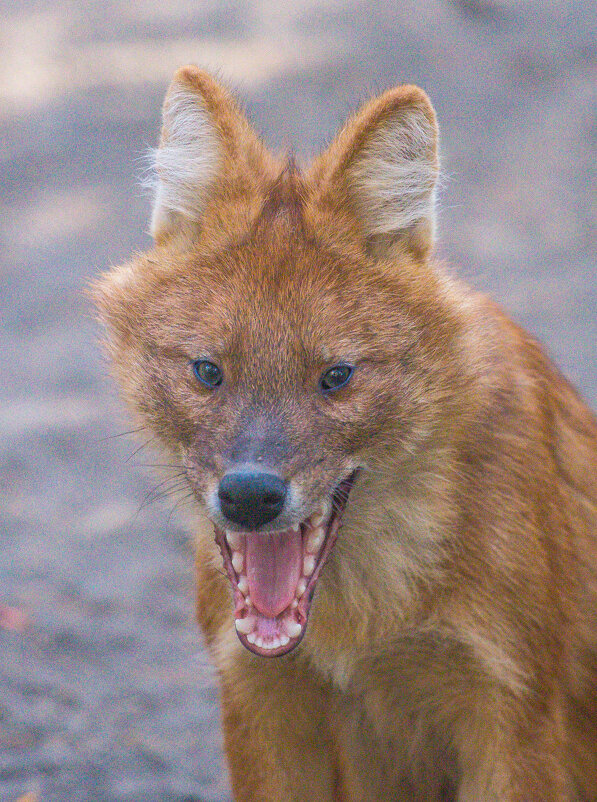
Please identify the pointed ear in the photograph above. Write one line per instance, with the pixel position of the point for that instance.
(384, 165)
(205, 146)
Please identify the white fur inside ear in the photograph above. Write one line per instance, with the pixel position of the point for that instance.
(393, 177)
(186, 162)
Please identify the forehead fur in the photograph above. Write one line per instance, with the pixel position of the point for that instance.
(279, 248)
(283, 278)
(282, 271)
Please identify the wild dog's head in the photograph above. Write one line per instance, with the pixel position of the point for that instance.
(274, 336)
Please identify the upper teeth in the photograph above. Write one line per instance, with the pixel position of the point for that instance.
(321, 513)
(235, 540)
(314, 539)
(237, 561)
(290, 628)
(308, 564)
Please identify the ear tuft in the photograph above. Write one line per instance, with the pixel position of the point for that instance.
(392, 179)
(384, 163)
(188, 158)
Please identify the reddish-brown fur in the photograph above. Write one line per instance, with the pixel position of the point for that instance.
(451, 652)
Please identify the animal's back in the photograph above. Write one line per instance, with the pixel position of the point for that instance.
(565, 431)
(575, 450)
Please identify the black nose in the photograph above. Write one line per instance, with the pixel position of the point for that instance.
(251, 499)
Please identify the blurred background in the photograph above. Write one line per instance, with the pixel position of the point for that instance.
(105, 690)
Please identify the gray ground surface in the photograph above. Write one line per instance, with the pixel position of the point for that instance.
(105, 691)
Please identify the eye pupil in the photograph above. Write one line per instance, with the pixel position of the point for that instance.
(335, 377)
(207, 373)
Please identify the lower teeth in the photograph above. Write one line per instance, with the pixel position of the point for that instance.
(293, 628)
(309, 564)
(244, 625)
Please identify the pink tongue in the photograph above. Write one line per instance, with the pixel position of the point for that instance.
(273, 569)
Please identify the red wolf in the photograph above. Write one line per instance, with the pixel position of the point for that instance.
(396, 490)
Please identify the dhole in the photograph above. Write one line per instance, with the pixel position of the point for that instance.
(396, 490)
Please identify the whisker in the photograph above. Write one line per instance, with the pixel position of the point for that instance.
(173, 478)
(141, 447)
(340, 495)
(337, 506)
(154, 495)
(185, 499)
(151, 497)
(161, 465)
(121, 434)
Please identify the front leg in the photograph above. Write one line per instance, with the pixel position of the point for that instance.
(276, 732)
(276, 714)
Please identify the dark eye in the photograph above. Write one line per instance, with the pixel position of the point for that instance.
(207, 373)
(335, 377)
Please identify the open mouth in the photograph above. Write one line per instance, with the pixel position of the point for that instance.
(273, 574)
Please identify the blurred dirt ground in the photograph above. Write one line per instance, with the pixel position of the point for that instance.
(105, 690)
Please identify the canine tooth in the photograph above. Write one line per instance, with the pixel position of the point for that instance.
(243, 584)
(293, 628)
(284, 639)
(251, 637)
(259, 641)
(244, 625)
(237, 561)
(315, 539)
(301, 587)
(308, 564)
(234, 540)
